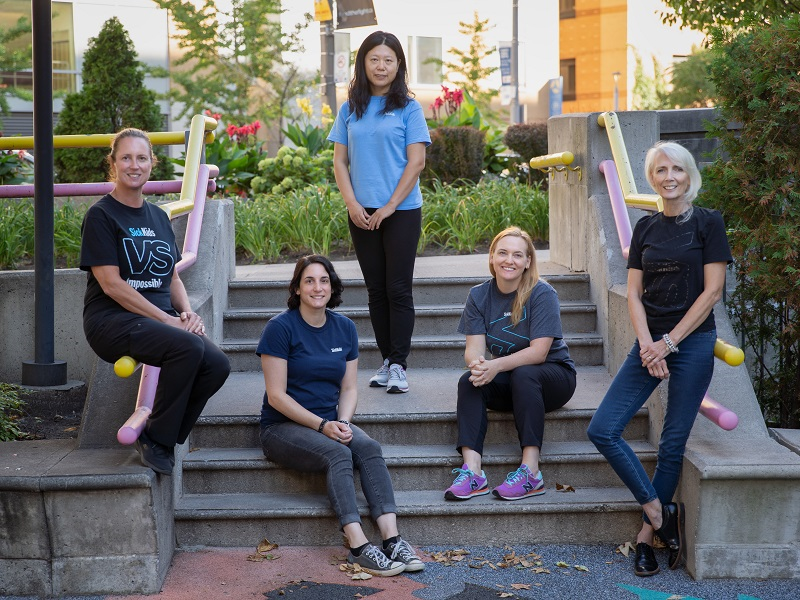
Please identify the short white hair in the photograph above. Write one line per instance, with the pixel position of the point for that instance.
(681, 157)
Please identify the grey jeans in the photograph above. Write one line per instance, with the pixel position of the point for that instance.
(303, 449)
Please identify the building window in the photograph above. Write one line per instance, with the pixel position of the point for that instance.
(420, 51)
(64, 72)
(566, 9)
(568, 73)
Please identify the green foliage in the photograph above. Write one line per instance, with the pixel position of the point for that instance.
(293, 169)
(755, 186)
(17, 232)
(649, 93)
(10, 410)
(455, 155)
(691, 85)
(709, 15)
(113, 97)
(234, 62)
(467, 69)
(469, 115)
(528, 140)
(14, 170)
(314, 219)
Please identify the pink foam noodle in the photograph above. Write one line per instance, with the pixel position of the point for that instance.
(129, 432)
(718, 414)
(621, 218)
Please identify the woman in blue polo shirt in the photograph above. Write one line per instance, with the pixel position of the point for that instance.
(380, 136)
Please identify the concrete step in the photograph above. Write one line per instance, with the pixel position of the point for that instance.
(425, 415)
(585, 516)
(433, 319)
(266, 294)
(412, 467)
(436, 351)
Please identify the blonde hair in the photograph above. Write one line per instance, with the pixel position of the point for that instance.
(121, 135)
(682, 158)
(530, 277)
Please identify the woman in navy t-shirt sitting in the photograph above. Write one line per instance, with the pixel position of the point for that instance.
(309, 355)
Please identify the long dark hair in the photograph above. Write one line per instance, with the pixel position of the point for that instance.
(337, 288)
(359, 93)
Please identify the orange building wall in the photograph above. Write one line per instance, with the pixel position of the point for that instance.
(597, 39)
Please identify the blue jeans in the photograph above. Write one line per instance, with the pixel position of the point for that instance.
(690, 375)
(303, 449)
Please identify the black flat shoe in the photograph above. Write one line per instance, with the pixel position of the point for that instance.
(671, 531)
(645, 564)
(154, 455)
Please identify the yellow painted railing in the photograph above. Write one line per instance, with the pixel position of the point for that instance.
(555, 163)
(632, 197)
(98, 140)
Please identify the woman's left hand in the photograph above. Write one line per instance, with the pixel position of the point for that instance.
(384, 212)
(653, 355)
(482, 371)
(344, 434)
(193, 323)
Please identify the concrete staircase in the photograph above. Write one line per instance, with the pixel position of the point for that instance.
(229, 495)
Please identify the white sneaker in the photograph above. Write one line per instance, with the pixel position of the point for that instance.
(397, 384)
(381, 375)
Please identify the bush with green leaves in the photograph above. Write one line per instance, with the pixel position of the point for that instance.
(528, 140)
(454, 156)
(113, 97)
(10, 410)
(292, 169)
(14, 169)
(755, 186)
(274, 226)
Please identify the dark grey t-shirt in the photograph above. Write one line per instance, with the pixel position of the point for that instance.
(488, 312)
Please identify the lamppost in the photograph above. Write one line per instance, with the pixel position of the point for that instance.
(616, 75)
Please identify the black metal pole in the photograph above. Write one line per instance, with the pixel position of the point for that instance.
(327, 85)
(44, 370)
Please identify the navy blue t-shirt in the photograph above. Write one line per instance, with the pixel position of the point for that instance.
(316, 359)
(488, 312)
(139, 241)
(672, 256)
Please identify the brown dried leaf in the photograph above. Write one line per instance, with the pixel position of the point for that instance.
(520, 586)
(541, 570)
(581, 568)
(266, 546)
(625, 549)
(361, 576)
(562, 564)
(505, 595)
(564, 488)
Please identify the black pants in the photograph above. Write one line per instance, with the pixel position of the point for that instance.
(192, 368)
(529, 391)
(386, 257)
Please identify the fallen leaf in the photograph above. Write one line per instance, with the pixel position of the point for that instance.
(360, 576)
(676, 597)
(71, 429)
(625, 549)
(581, 568)
(520, 586)
(505, 595)
(564, 488)
(266, 546)
(541, 570)
(562, 564)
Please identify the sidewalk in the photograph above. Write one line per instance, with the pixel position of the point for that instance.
(312, 573)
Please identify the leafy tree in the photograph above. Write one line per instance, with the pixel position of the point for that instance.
(691, 85)
(467, 70)
(757, 77)
(233, 62)
(649, 93)
(113, 97)
(733, 14)
(13, 58)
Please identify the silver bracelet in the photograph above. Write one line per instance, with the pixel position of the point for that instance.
(670, 344)
(345, 421)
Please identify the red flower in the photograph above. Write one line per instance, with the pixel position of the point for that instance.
(231, 130)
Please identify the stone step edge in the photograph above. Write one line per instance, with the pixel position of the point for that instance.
(217, 459)
(237, 283)
(425, 503)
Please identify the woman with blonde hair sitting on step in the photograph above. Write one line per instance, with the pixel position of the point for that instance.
(309, 355)
(517, 361)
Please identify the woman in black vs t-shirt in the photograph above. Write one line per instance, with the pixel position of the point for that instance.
(136, 304)
(676, 273)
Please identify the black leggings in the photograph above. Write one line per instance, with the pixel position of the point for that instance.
(192, 368)
(529, 391)
(386, 257)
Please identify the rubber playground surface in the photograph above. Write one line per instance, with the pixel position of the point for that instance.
(468, 573)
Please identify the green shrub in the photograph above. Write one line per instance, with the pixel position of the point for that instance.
(528, 140)
(293, 169)
(756, 188)
(13, 169)
(455, 154)
(10, 411)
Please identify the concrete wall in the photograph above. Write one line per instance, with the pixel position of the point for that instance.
(741, 488)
